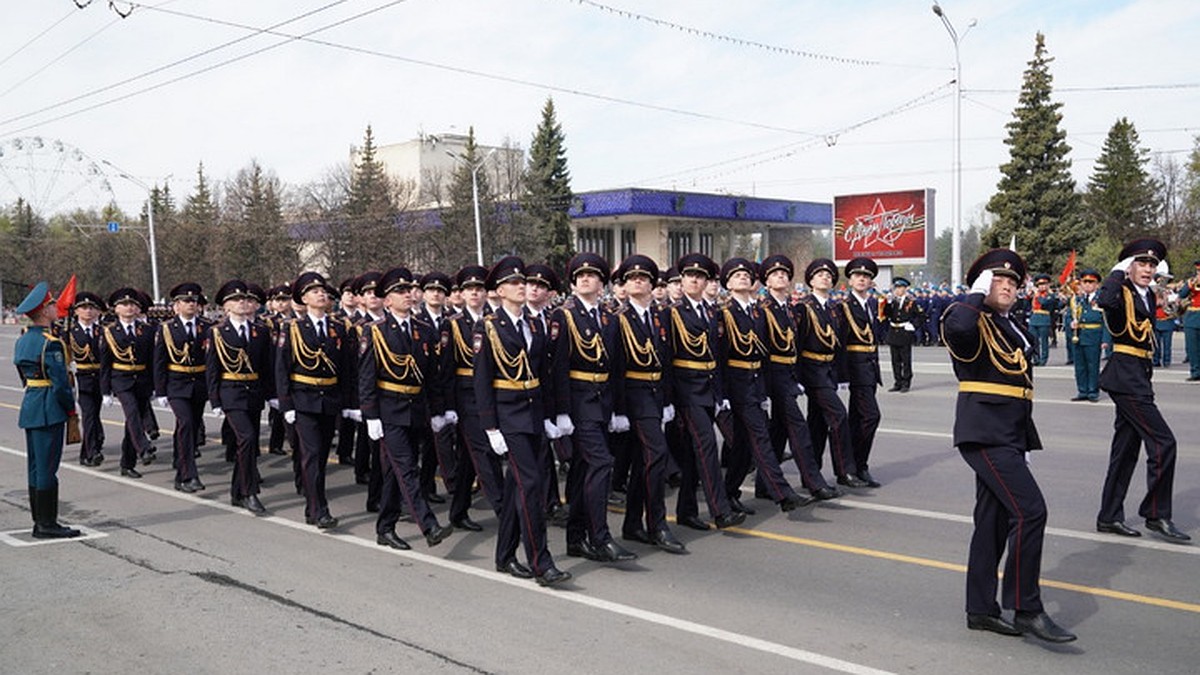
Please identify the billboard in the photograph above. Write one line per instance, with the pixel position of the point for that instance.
(891, 228)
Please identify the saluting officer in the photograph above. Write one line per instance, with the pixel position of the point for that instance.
(240, 377)
(312, 380)
(994, 431)
(84, 343)
(858, 324)
(1087, 333)
(510, 364)
(126, 354)
(179, 378)
(1128, 306)
(397, 356)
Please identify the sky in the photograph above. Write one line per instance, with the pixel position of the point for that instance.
(789, 99)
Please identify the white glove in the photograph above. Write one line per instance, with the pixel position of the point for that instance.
(437, 423)
(217, 412)
(618, 424)
(908, 326)
(843, 386)
(499, 445)
(723, 405)
(1123, 266)
(564, 424)
(766, 405)
(552, 432)
(451, 417)
(107, 401)
(72, 367)
(355, 415)
(799, 389)
(162, 402)
(290, 417)
(374, 429)
(274, 403)
(668, 414)
(1163, 268)
(983, 283)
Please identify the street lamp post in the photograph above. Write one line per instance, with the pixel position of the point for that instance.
(475, 197)
(149, 224)
(956, 226)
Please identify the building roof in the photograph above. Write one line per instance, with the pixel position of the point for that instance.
(695, 205)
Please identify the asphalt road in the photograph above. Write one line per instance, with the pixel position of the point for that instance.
(870, 583)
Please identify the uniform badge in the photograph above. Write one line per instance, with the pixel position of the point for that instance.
(554, 329)
(445, 341)
(279, 341)
(364, 343)
(478, 344)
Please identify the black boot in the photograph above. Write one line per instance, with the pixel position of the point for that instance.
(46, 526)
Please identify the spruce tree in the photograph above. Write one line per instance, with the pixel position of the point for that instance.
(1121, 193)
(549, 189)
(371, 213)
(1036, 198)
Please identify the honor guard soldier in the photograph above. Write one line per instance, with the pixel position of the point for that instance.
(240, 376)
(1041, 318)
(439, 446)
(783, 379)
(541, 283)
(1189, 294)
(179, 378)
(1128, 306)
(84, 342)
(312, 379)
(698, 394)
(1087, 333)
(126, 354)
(640, 394)
(857, 329)
(901, 314)
(41, 362)
(279, 310)
(994, 432)
(742, 354)
(397, 356)
(368, 463)
(816, 336)
(510, 364)
(582, 338)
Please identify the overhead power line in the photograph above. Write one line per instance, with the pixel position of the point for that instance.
(37, 37)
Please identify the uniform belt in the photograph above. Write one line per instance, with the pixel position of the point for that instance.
(315, 381)
(1089, 325)
(1041, 311)
(38, 384)
(464, 372)
(409, 389)
(744, 365)
(587, 376)
(86, 367)
(868, 349)
(643, 375)
(1194, 309)
(240, 377)
(176, 368)
(694, 365)
(813, 356)
(1009, 390)
(1132, 351)
(785, 360)
(516, 385)
(127, 367)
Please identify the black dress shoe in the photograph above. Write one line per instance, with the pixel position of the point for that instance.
(559, 515)
(1117, 527)
(194, 484)
(1079, 398)
(277, 451)
(851, 481)
(639, 535)
(153, 436)
(149, 458)
(614, 552)
(372, 507)
(866, 477)
(360, 479)
(1167, 529)
(904, 389)
(185, 486)
(995, 624)
(393, 540)
(665, 540)
(730, 519)
(738, 507)
(54, 531)
(253, 505)
(794, 501)
(465, 523)
(130, 472)
(326, 522)
(515, 568)
(552, 576)
(435, 498)
(826, 493)
(1041, 626)
(438, 534)
(693, 522)
(895, 387)
(582, 549)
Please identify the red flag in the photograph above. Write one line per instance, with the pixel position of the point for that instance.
(67, 297)
(1066, 273)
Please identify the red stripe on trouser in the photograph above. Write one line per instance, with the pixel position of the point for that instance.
(524, 514)
(835, 437)
(760, 459)
(310, 490)
(398, 479)
(709, 495)
(1016, 552)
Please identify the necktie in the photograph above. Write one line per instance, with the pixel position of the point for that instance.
(595, 312)
(703, 314)
(242, 332)
(191, 333)
(321, 328)
(523, 332)
(646, 321)
(129, 330)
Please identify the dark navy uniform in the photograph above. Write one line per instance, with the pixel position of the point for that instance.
(83, 342)
(858, 326)
(126, 355)
(179, 376)
(902, 314)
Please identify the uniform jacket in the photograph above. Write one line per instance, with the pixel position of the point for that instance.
(509, 375)
(1089, 319)
(1131, 325)
(691, 345)
(640, 377)
(396, 370)
(40, 359)
(240, 375)
(581, 362)
(303, 357)
(85, 353)
(817, 341)
(741, 353)
(897, 311)
(783, 374)
(179, 361)
(125, 362)
(858, 335)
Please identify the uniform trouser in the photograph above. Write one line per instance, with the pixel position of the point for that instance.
(1162, 348)
(620, 445)
(229, 441)
(901, 364)
(703, 467)
(346, 435)
(90, 426)
(439, 457)
(475, 459)
(1139, 422)
(134, 444)
(827, 418)
(278, 429)
(553, 497)
(788, 427)
(1009, 512)
(363, 451)
(1087, 370)
(374, 471)
(1041, 335)
(522, 516)
(588, 482)
(752, 440)
(244, 424)
(401, 484)
(864, 417)
(1072, 347)
(429, 463)
(188, 414)
(43, 453)
(645, 493)
(1191, 344)
(149, 420)
(314, 434)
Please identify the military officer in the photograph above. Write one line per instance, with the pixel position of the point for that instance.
(368, 463)
(541, 283)
(1189, 296)
(994, 431)
(126, 354)
(84, 343)
(179, 377)
(438, 451)
(1087, 332)
(1128, 306)
(41, 362)
(1043, 304)
(901, 314)
(859, 366)
(279, 310)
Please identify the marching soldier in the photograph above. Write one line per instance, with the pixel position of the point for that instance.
(240, 379)
(279, 310)
(1128, 308)
(126, 355)
(1043, 304)
(312, 380)
(397, 357)
(368, 463)
(859, 364)
(438, 447)
(48, 401)
(84, 343)
(902, 314)
(541, 282)
(510, 356)
(1087, 333)
(179, 378)
(1190, 293)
